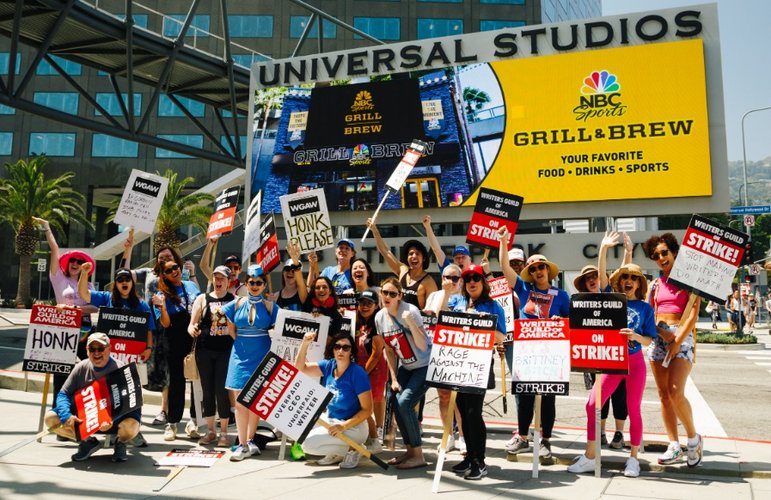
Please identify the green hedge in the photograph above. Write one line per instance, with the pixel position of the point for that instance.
(707, 337)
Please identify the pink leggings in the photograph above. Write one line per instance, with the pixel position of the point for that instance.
(635, 385)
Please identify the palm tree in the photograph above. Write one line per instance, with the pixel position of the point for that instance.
(180, 210)
(475, 99)
(27, 193)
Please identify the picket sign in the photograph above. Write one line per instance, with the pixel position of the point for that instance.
(399, 175)
(141, 201)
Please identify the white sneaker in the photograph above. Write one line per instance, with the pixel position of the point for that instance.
(632, 467)
(330, 460)
(170, 434)
(241, 452)
(695, 452)
(450, 443)
(583, 464)
(460, 444)
(673, 455)
(191, 429)
(351, 460)
(254, 450)
(373, 445)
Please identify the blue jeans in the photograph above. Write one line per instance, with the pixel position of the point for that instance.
(413, 387)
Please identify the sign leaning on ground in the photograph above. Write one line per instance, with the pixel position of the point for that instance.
(709, 256)
(141, 201)
(595, 342)
(285, 397)
(582, 127)
(541, 363)
(52, 340)
(461, 353)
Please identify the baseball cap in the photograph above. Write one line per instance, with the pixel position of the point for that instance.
(473, 269)
(122, 272)
(233, 258)
(290, 263)
(254, 271)
(516, 254)
(461, 250)
(369, 294)
(98, 337)
(223, 270)
(346, 241)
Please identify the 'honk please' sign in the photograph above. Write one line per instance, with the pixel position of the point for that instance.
(306, 220)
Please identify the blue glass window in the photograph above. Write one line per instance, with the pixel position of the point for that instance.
(490, 24)
(382, 28)
(69, 67)
(246, 60)
(110, 103)
(431, 28)
(242, 140)
(106, 146)
(250, 26)
(297, 25)
(195, 141)
(66, 102)
(5, 59)
(172, 25)
(166, 107)
(52, 143)
(6, 143)
(7, 110)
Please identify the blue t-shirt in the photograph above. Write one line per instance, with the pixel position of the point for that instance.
(341, 281)
(458, 303)
(104, 299)
(187, 294)
(345, 389)
(641, 319)
(537, 303)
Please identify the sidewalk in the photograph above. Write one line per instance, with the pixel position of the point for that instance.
(731, 469)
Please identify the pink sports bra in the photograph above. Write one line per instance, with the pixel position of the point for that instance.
(668, 298)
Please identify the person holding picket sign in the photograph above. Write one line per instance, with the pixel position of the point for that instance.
(173, 304)
(209, 326)
(672, 352)
(416, 283)
(629, 280)
(401, 326)
(370, 356)
(249, 319)
(538, 299)
(123, 296)
(350, 407)
(293, 289)
(475, 298)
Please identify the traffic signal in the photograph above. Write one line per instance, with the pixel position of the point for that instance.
(748, 257)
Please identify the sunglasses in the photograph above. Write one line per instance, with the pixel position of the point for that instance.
(255, 282)
(473, 278)
(171, 269)
(454, 279)
(342, 347)
(632, 277)
(96, 349)
(536, 267)
(79, 262)
(656, 255)
(123, 279)
(389, 293)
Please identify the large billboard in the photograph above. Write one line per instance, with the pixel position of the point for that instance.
(593, 117)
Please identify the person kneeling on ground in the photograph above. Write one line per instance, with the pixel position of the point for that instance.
(351, 404)
(98, 364)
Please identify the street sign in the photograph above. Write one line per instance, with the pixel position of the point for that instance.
(755, 269)
(41, 265)
(754, 209)
(749, 220)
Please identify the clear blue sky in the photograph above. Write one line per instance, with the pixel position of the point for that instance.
(746, 57)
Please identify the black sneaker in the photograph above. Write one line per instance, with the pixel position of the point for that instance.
(604, 440)
(160, 419)
(119, 452)
(477, 472)
(544, 451)
(462, 467)
(86, 449)
(618, 440)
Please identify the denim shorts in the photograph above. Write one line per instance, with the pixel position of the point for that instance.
(657, 351)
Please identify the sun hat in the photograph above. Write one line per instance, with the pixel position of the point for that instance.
(579, 281)
(535, 259)
(629, 269)
(64, 260)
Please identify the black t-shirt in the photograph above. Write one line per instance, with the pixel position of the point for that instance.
(214, 325)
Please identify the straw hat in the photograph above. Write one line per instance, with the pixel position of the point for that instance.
(535, 259)
(578, 283)
(629, 269)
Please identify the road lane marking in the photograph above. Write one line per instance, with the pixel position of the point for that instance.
(704, 418)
